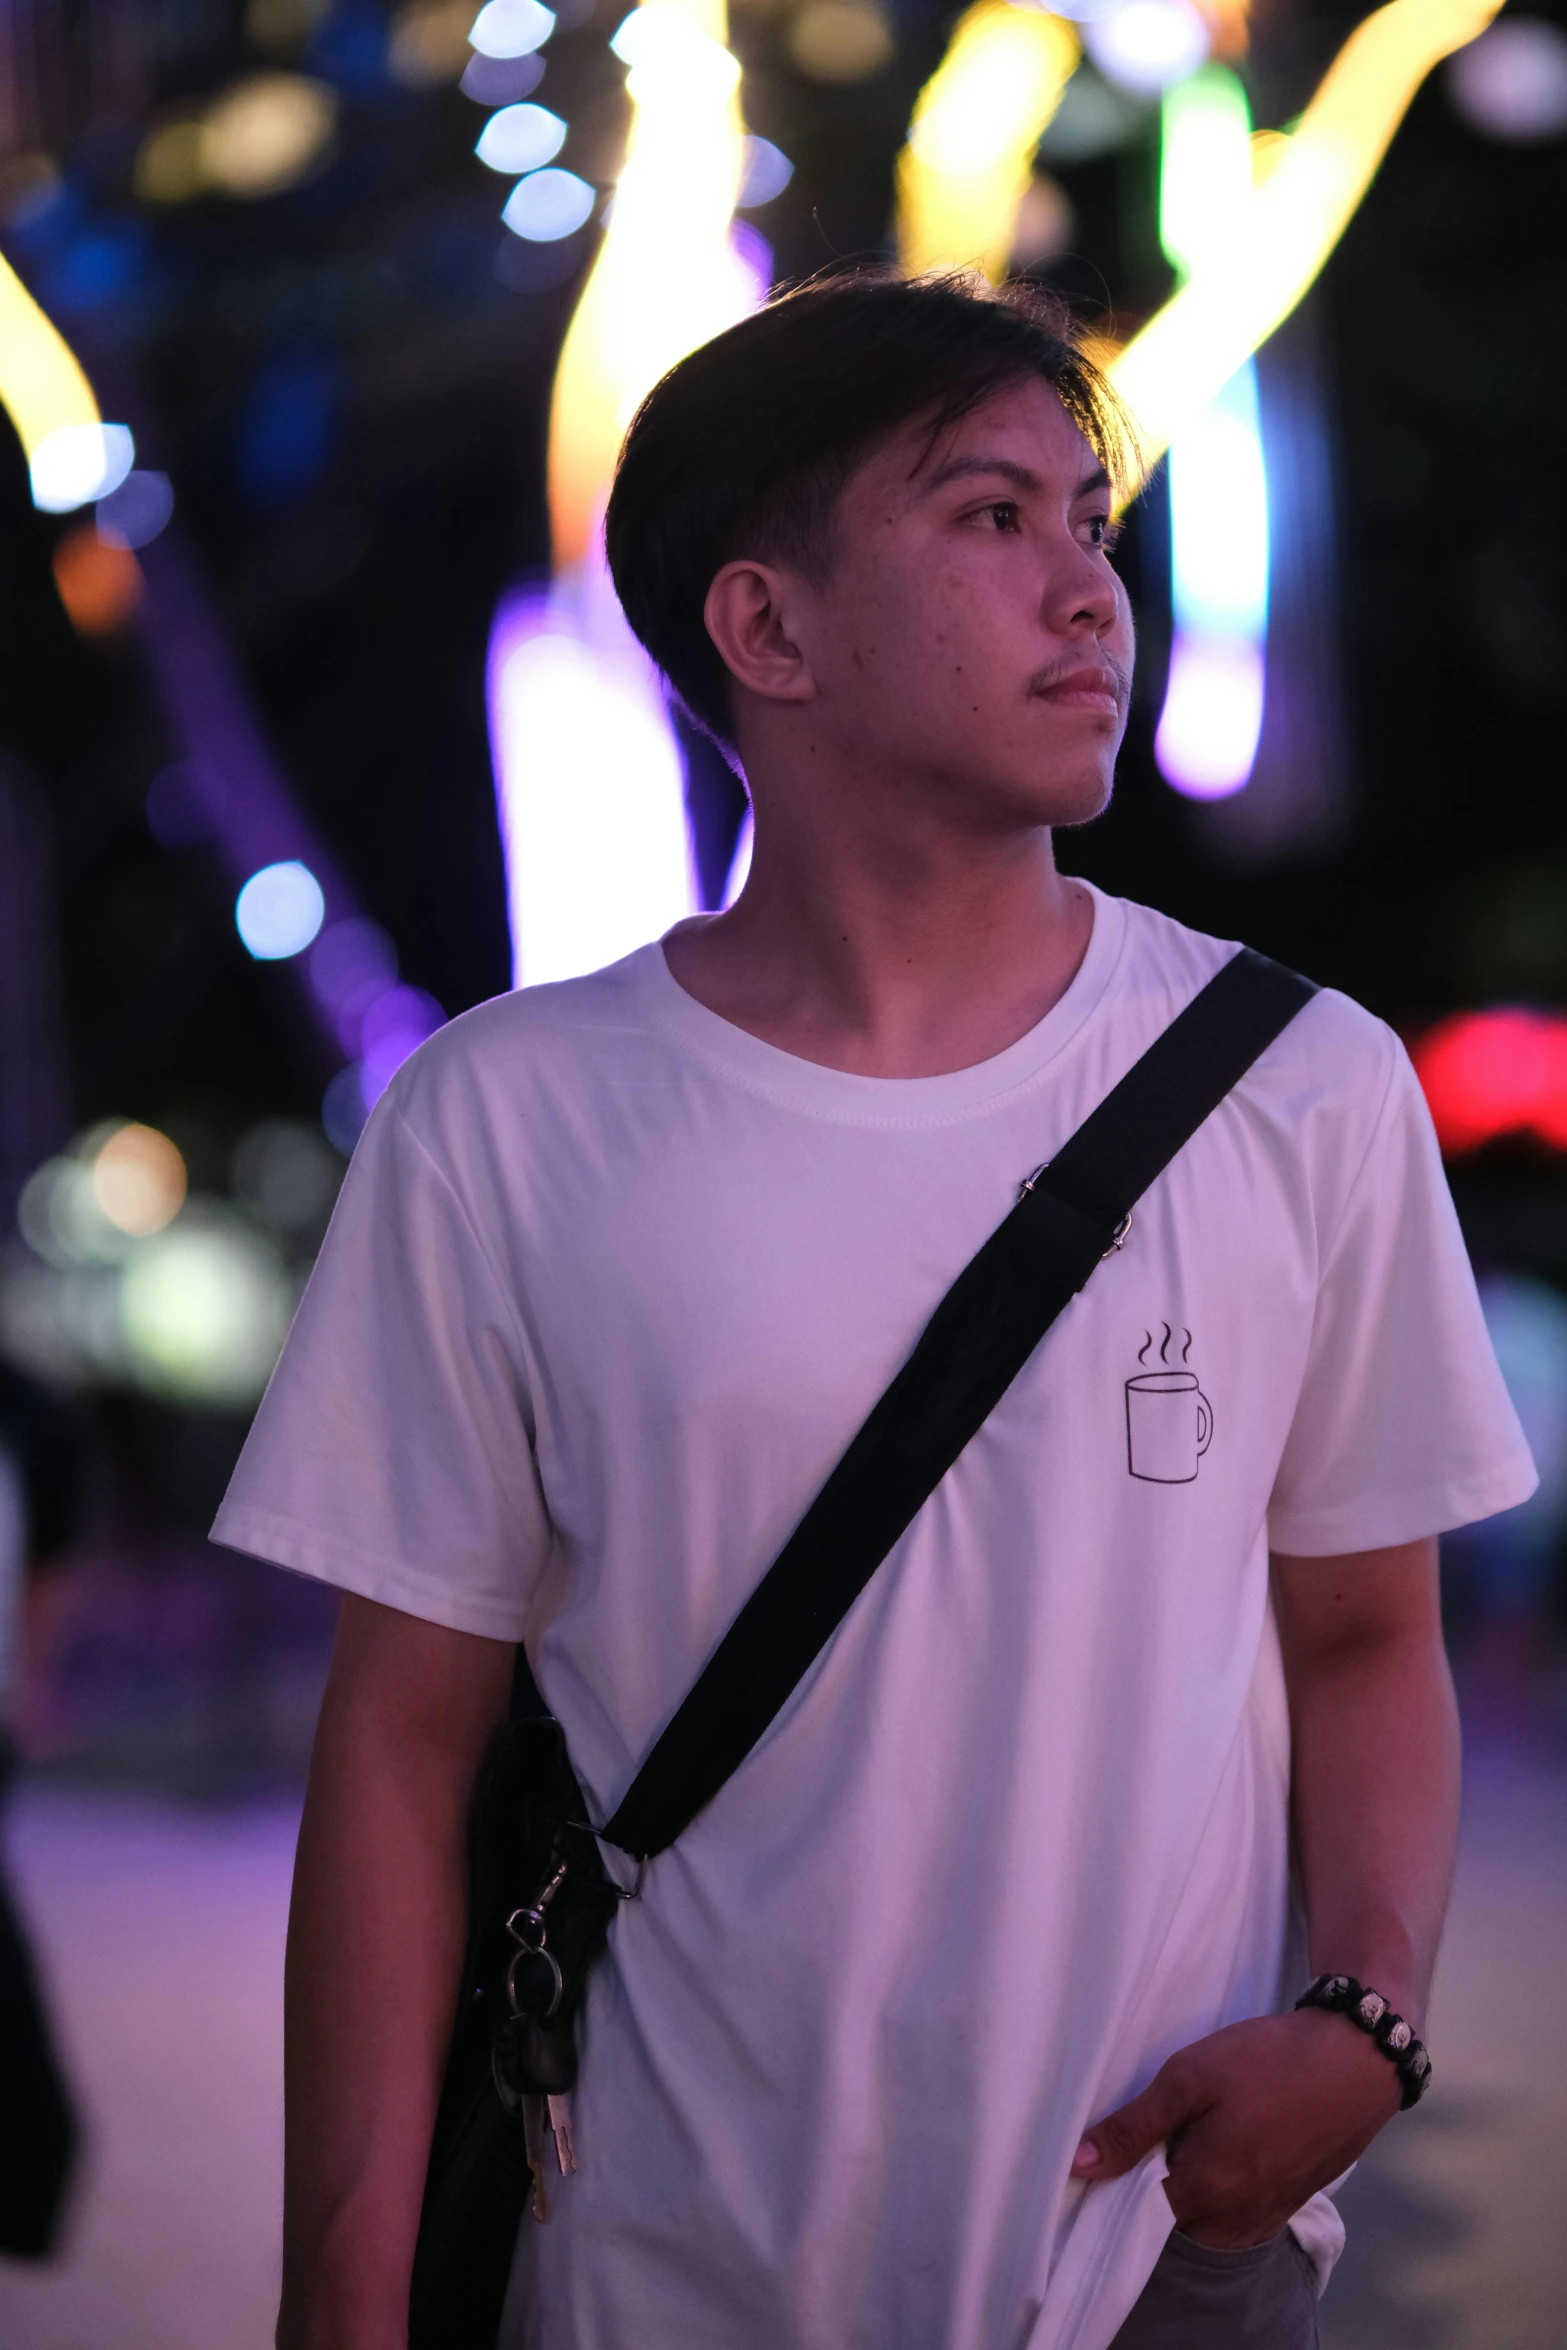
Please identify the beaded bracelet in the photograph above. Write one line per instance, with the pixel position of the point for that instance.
(1342, 1995)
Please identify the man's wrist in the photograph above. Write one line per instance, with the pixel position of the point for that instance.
(1384, 1961)
(1369, 2011)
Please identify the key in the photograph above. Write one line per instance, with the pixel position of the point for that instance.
(533, 2137)
(559, 2109)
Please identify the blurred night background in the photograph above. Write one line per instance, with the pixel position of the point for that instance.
(303, 654)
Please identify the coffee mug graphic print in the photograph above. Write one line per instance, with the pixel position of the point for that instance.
(1169, 1426)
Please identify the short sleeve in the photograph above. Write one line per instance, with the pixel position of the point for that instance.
(1403, 1426)
(391, 1454)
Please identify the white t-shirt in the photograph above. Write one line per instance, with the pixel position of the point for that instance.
(609, 1287)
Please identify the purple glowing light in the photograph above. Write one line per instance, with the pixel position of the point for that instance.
(352, 964)
(589, 782)
(395, 1025)
(740, 862)
(1212, 720)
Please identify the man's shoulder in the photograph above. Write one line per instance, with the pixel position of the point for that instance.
(1334, 1052)
(550, 1035)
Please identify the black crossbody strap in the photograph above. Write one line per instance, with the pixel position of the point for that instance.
(971, 1350)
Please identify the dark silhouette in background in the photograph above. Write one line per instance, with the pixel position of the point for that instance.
(38, 2126)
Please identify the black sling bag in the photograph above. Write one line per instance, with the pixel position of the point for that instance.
(540, 1898)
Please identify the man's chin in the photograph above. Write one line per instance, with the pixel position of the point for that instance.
(1024, 797)
(1060, 800)
(1083, 806)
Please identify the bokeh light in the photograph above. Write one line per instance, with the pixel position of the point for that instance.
(1512, 83)
(394, 1026)
(138, 1180)
(501, 81)
(279, 911)
(1206, 741)
(59, 1216)
(128, 1278)
(520, 138)
(120, 1182)
(429, 43)
(98, 580)
(77, 463)
(204, 1308)
(266, 133)
(592, 797)
(134, 514)
(255, 139)
(352, 963)
(767, 171)
(841, 40)
(511, 28)
(1219, 517)
(1147, 45)
(1205, 166)
(1492, 1073)
(1297, 212)
(1208, 732)
(667, 275)
(72, 455)
(548, 205)
(171, 162)
(976, 124)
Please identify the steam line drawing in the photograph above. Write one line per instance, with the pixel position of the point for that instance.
(1146, 1348)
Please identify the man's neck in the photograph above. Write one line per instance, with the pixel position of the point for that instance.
(906, 956)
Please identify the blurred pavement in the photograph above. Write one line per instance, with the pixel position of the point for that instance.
(161, 1927)
(1456, 2233)
(163, 1930)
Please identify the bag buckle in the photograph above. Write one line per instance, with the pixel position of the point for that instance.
(631, 1892)
(1117, 1238)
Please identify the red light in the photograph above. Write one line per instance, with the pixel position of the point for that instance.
(1491, 1073)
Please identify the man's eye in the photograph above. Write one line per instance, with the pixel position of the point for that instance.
(1105, 534)
(1004, 513)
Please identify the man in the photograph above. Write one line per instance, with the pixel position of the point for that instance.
(978, 1973)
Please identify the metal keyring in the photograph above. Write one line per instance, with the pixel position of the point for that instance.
(552, 1963)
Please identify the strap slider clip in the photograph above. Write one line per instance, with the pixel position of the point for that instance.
(1117, 1238)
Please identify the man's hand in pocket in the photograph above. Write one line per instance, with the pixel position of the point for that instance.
(1256, 2119)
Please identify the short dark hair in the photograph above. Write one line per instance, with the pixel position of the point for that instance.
(745, 446)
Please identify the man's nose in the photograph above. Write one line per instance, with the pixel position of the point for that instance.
(1081, 593)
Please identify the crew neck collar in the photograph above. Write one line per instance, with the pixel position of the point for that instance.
(845, 1095)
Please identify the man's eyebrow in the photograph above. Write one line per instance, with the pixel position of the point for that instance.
(1023, 476)
(960, 468)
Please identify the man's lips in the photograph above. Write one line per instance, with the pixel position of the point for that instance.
(1090, 686)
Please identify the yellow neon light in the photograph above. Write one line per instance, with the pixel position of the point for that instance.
(1239, 290)
(971, 141)
(42, 385)
(666, 277)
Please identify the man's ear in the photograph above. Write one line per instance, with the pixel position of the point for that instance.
(748, 620)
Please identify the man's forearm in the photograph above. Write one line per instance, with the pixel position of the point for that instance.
(1259, 2116)
(1375, 1744)
(374, 1946)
